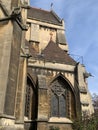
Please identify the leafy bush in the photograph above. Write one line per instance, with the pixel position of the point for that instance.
(85, 123)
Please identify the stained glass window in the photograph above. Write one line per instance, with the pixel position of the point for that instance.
(62, 106)
(54, 104)
(62, 99)
(58, 99)
(30, 105)
(28, 101)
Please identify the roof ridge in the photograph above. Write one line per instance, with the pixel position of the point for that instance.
(43, 15)
(56, 16)
(40, 9)
(52, 42)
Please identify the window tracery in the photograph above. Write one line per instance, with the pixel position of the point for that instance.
(58, 100)
(30, 101)
(62, 104)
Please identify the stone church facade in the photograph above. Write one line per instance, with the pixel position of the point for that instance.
(41, 86)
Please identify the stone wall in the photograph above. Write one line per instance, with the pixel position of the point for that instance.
(9, 4)
(6, 31)
(42, 32)
(13, 71)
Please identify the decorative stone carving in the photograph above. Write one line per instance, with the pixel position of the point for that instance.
(57, 88)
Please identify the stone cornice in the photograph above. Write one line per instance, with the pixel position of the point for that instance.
(51, 66)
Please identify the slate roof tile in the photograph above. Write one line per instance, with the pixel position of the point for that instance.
(54, 53)
(43, 15)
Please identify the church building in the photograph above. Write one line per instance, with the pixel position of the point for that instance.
(41, 86)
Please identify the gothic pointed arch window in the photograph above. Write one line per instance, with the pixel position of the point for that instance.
(30, 101)
(62, 99)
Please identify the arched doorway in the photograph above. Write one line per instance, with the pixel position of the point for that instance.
(62, 98)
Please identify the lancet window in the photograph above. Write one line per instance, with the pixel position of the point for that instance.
(30, 101)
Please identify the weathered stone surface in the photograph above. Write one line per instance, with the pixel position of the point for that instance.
(13, 71)
(9, 4)
(21, 88)
(6, 4)
(42, 81)
(5, 50)
(60, 126)
(43, 107)
(10, 128)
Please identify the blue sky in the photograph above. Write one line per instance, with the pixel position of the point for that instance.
(81, 24)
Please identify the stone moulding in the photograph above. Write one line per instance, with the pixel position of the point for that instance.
(60, 120)
(7, 116)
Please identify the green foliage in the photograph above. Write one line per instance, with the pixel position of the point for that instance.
(85, 123)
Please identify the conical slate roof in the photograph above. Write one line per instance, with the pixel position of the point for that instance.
(53, 53)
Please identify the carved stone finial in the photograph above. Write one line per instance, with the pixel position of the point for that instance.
(51, 5)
